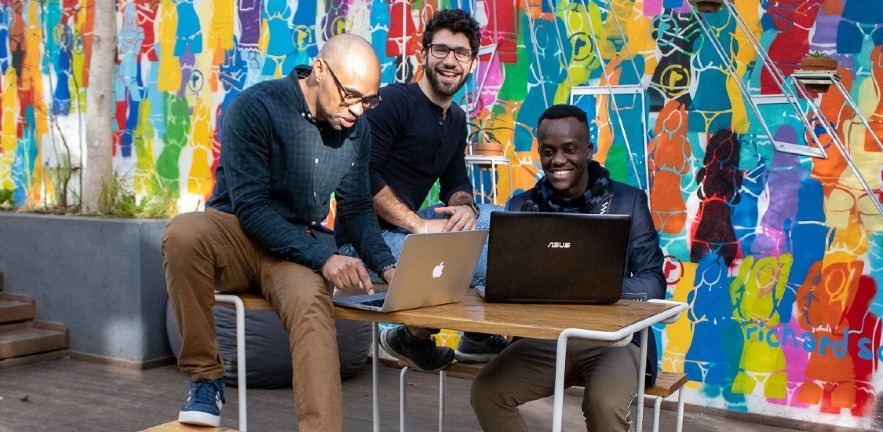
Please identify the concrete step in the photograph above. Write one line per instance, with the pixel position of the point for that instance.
(16, 307)
(31, 337)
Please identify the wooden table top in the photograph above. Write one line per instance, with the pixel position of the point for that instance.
(542, 321)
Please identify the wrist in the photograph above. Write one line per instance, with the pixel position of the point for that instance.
(473, 206)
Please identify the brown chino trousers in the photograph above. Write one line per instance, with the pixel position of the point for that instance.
(206, 252)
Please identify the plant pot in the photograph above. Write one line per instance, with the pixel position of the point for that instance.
(487, 149)
(707, 6)
(818, 64)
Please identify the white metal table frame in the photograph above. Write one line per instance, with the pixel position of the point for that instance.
(620, 337)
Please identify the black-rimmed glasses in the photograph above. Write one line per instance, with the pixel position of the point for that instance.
(349, 99)
(441, 51)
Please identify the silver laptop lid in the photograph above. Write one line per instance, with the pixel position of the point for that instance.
(432, 269)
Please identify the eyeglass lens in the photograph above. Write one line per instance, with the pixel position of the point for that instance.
(441, 51)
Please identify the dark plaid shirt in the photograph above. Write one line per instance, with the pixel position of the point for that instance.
(279, 167)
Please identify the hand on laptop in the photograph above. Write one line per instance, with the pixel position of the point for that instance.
(462, 219)
(347, 272)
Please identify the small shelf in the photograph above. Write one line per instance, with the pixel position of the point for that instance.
(486, 160)
(816, 77)
(487, 163)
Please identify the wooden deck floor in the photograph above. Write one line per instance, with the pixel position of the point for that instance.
(68, 395)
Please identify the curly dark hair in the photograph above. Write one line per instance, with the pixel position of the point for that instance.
(456, 21)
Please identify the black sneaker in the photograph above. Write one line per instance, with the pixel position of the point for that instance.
(419, 354)
(479, 350)
(203, 406)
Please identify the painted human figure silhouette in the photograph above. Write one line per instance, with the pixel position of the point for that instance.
(719, 181)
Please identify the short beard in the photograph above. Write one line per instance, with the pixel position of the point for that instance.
(432, 76)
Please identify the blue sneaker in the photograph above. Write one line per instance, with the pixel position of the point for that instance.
(204, 402)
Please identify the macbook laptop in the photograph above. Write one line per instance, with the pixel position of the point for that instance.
(433, 269)
(536, 257)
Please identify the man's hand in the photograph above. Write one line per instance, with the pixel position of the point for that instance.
(462, 218)
(346, 272)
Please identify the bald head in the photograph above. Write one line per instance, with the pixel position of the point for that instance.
(344, 81)
(353, 56)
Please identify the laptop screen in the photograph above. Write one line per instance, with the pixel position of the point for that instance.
(536, 257)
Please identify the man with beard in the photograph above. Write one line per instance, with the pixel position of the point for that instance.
(525, 371)
(419, 137)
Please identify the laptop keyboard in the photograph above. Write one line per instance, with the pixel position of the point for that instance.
(373, 303)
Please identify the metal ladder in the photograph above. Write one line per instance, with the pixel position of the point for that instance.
(793, 92)
(603, 87)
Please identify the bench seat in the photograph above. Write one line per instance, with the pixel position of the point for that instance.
(175, 426)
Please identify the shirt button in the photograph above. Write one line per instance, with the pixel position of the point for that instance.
(317, 160)
(313, 223)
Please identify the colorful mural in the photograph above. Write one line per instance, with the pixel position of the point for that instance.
(779, 255)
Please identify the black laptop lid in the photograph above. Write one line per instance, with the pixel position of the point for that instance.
(536, 257)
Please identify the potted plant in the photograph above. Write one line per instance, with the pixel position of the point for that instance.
(483, 142)
(487, 145)
(817, 61)
(707, 6)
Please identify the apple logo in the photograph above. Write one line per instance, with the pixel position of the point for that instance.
(437, 271)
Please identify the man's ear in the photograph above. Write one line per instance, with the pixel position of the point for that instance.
(474, 64)
(318, 65)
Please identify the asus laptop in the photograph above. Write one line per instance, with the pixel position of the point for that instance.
(538, 257)
(433, 269)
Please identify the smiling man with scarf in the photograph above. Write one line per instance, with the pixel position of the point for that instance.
(525, 371)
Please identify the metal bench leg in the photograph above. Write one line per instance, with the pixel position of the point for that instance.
(657, 404)
(402, 386)
(680, 424)
(240, 354)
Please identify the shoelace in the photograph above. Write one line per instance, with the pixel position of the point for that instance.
(208, 390)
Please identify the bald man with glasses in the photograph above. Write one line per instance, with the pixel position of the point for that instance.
(286, 146)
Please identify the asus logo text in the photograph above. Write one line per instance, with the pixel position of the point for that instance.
(559, 245)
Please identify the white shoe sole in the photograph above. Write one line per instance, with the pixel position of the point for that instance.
(199, 418)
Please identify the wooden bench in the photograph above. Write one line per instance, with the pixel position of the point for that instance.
(667, 383)
(174, 426)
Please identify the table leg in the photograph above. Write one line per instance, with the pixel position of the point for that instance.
(558, 397)
(642, 371)
(375, 372)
